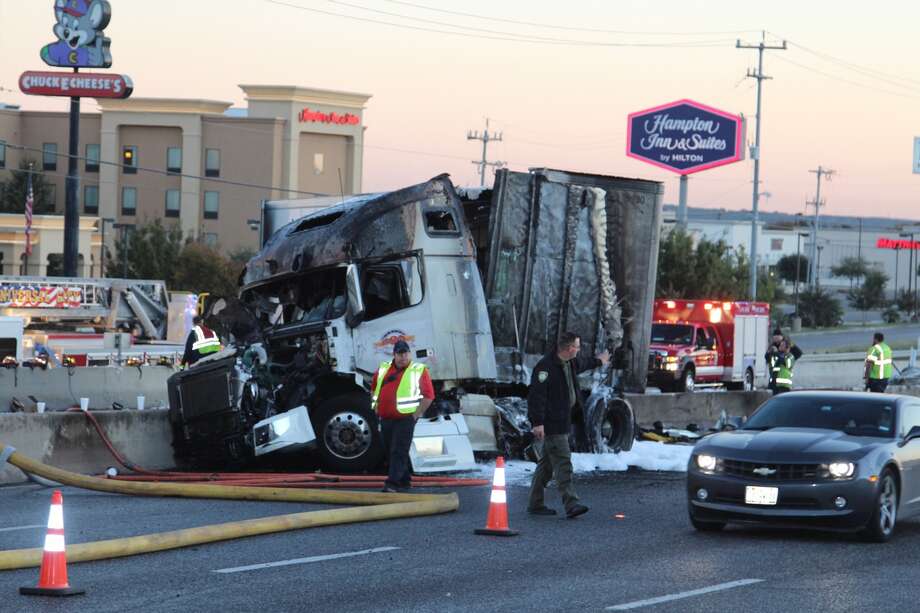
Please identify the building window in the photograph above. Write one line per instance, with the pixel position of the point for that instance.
(129, 201)
(92, 158)
(211, 205)
(319, 163)
(174, 159)
(212, 162)
(210, 239)
(2, 154)
(129, 160)
(173, 202)
(49, 156)
(776, 244)
(91, 199)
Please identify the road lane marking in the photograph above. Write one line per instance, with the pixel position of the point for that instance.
(310, 560)
(703, 590)
(21, 528)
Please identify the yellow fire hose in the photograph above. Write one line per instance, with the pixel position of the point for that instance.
(377, 506)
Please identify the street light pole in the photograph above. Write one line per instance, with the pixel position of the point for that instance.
(798, 266)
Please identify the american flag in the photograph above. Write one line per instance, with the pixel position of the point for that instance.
(30, 197)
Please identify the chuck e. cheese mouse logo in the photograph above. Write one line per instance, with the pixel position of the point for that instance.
(390, 338)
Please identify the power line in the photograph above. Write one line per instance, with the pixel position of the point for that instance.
(170, 173)
(848, 81)
(486, 138)
(755, 150)
(817, 203)
(508, 37)
(560, 27)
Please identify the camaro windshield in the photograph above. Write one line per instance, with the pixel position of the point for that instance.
(857, 416)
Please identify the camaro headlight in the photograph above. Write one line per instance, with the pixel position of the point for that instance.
(706, 462)
(840, 470)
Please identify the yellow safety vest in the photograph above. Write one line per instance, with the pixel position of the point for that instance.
(782, 370)
(880, 359)
(409, 392)
(205, 344)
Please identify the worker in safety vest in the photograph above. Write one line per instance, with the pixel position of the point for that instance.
(402, 391)
(878, 364)
(781, 363)
(200, 342)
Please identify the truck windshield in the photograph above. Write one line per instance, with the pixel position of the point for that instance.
(316, 296)
(672, 334)
(857, 416)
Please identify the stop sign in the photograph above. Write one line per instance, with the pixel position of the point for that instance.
(685, 137)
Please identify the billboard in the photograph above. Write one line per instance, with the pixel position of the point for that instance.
(685, 137)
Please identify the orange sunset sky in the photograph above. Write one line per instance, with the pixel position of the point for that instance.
(556, 78)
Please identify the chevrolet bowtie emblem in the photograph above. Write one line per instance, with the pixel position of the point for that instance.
(764, 471)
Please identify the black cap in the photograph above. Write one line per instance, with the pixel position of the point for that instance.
(401, 347)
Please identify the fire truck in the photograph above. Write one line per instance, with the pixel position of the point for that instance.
(708, 343)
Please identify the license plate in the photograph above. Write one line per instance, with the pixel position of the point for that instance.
(761, 495)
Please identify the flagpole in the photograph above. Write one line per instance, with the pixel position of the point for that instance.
(28, 213)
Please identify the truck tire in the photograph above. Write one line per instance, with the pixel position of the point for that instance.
(347, 435)
(611, 425)
(687, 381)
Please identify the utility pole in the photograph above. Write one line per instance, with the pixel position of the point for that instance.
(486, 138)
(820, 172)
(755, 150)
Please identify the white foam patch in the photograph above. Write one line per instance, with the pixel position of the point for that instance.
(647, 455)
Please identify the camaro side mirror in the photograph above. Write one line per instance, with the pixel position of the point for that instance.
(911, 435)
(355, 313)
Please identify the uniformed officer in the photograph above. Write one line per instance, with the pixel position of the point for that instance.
(781, 363)
(201, 341)
(552, 399)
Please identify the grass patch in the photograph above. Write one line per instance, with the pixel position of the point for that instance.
(895, 346)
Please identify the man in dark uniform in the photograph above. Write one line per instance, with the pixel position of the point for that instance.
(552, 399)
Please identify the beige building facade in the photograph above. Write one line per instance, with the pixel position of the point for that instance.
(197, 163)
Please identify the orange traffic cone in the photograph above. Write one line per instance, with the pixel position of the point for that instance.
(497, 522)
(53, 578)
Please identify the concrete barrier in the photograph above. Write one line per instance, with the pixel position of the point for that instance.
(701, 408)
(68, 440)
(60, 388)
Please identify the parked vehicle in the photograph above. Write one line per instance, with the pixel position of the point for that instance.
(827, 460)
(480, 283)
(704, 343)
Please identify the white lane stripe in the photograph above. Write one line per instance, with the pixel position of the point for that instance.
(310, 560)
(21, 528)
(704, 590)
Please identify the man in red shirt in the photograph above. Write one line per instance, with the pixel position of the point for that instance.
(402, 391)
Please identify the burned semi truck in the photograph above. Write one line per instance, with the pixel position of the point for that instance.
(480, 283)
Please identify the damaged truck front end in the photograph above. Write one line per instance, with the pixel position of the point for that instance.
(329, 295)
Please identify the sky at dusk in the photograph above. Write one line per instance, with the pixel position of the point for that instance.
(558, 79)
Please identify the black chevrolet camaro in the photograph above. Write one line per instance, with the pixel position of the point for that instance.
(847, 461)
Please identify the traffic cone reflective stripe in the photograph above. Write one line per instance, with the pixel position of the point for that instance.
(497, 521)
(52, 580)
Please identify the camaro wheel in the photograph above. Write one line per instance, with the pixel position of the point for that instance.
(881, 526)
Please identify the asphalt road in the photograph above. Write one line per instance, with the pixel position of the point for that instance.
(829, 340)
(437, 564)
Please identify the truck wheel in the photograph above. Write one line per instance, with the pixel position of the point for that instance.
(687, 381)
(748, 380)
(611, 425)
(347, 434)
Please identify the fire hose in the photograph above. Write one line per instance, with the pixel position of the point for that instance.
(374, 506)
(295, 480)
